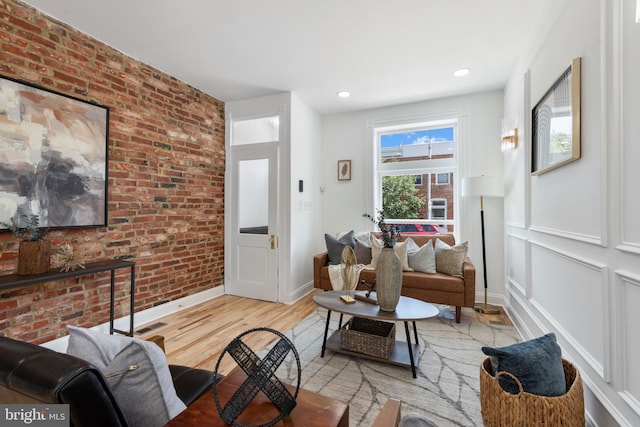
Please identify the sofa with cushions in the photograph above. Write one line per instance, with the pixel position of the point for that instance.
(435, 269)
(118, 381)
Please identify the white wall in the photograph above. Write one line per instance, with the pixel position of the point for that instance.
(572, 234)
(306, 207)
(346, 136)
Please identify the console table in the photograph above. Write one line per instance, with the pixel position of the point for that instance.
(19, 281)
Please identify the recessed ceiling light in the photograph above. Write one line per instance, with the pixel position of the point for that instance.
(344, 94)
(461, 72)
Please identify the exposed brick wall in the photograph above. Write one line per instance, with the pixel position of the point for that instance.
(166, 179)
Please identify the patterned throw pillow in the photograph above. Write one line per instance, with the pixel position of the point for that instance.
(136, 371)
(450, 259)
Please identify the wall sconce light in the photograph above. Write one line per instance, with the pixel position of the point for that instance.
(509, 135)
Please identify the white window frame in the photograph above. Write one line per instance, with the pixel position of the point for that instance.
(414, 167)
(448, 180)
(440, 206)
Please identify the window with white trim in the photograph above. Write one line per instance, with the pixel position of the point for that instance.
(443, 179)
(406, 152)
(438, 209)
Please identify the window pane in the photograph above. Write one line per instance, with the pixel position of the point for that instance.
(422, 144)
(252, 131)
(253, 196)
(403, 201)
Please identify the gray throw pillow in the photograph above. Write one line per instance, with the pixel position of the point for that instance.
(450, 259)
(536, 363)
(146, 393)
(422, 258)
(363, 252)
(335, 246)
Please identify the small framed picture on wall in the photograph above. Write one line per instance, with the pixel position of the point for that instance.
(344, 170)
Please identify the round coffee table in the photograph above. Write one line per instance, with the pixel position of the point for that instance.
(408, 309)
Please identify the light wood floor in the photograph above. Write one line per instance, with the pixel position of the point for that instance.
(198, 335)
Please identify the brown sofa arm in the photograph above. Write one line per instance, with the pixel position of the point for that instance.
(319, 261)
(469, 273)
(389, 415)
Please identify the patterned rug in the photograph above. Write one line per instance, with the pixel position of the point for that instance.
(446, 390)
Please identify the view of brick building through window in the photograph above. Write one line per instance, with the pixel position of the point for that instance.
(428, 156)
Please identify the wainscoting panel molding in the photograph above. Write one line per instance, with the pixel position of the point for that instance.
(628, 299)
(516, 259)
(627, 67)
(585, 238)
(560, 279)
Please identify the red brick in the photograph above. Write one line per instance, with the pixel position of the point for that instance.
(166, 140)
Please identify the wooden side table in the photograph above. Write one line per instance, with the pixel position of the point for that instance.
(312, 409)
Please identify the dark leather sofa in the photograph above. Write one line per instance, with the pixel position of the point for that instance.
(33, 374)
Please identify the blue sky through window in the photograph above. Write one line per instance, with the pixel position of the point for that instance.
(407, 138)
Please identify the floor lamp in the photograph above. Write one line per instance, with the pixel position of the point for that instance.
(483, 186)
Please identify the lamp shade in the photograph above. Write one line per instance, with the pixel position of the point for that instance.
(485, 186)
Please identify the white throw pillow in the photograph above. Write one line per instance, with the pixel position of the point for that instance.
(145, 394)
(400, 248)
(422, 258)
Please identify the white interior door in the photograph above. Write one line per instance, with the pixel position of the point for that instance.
(252, 249)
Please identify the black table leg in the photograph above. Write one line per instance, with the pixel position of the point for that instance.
(413, 363)
(326, 331)
(112, 301)
(340, 322)
(415, 331)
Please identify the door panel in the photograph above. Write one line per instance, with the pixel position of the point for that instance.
(253, 258)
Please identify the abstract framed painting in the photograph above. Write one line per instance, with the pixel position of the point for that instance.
(555, 139)
(53, 157)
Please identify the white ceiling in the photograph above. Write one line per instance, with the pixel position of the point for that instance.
(385, 52)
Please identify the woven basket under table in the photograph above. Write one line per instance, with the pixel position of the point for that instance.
(368, 336)
(501, 408)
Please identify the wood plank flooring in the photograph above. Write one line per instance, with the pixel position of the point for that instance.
(197, 336)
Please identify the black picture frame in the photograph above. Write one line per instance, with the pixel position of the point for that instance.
(53, 157)
(555, 120)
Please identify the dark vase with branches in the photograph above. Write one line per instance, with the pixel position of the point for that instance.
(389, 233)
(388, 265)
(34, 254)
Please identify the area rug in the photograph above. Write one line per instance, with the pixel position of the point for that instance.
(447, 387)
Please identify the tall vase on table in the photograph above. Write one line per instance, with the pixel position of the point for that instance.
(388, 279)
(388, 266)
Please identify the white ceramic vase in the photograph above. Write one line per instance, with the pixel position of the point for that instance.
(388, 279)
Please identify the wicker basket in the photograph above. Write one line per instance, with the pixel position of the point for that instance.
(501, 408)
(367, 336)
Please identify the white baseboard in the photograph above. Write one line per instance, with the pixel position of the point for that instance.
(145, 316)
